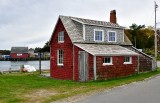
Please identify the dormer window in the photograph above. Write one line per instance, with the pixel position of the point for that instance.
(98, 35)
(111, 36)
(61, 37)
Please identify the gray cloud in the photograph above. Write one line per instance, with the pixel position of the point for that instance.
(31, 22)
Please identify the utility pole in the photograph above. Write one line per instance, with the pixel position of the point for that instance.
(155, 29)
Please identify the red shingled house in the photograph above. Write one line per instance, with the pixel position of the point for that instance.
(83, 49)
(19, 53)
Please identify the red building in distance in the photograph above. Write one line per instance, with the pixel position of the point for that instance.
(19, 53)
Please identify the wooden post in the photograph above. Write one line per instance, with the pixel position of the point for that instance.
(40, 62)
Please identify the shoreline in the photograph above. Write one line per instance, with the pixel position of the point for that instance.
(15, 65)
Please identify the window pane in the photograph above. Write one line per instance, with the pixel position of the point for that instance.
(112, 36)
(98, 35)
(60, 57)
(107, 60)
(127, 59)
(61, 36)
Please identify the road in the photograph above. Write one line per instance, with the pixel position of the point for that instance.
(141, 92)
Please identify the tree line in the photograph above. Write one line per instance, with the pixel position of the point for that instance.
(142, 37)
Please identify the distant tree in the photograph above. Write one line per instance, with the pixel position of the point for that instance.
(134, 31)
(5, 52)
(46, 47)
(37, 49)
(46, 44)
(149, 32)
(140, 36)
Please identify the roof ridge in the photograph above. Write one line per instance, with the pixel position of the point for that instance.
(93, 22)
(89, 19)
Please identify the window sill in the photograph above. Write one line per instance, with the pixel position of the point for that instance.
(127, 63)
(104, 64)
(98, 41)
(112, 41)
(60, 64)
(60, 41)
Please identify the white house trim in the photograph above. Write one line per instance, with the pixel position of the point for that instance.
(84, 32)
(123, 35)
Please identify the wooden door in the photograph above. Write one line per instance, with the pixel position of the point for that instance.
(83, 66)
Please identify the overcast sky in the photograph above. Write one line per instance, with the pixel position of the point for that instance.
(31, 22)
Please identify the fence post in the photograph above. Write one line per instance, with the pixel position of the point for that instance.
(40, 62)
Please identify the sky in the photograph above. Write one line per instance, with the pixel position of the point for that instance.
(31, 22)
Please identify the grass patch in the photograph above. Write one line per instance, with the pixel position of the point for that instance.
(29, 87)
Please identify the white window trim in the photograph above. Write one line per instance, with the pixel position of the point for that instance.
(102, 35)
(130, 62)
(115, 36)
(60, 41)
(59, 64)
(111, 63)
(63, 37)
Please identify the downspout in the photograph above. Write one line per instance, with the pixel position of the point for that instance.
(138, 65)
(50, 59)
(73, 60)
(94, 68)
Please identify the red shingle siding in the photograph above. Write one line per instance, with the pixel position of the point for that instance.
(65, 71)
(145, 64)
(90, 67)
(118, 69)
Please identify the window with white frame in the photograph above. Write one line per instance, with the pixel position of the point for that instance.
(60, 57)
(98, 35)
(127, 60)
(111, 36)
(61, 36)
(107, 61)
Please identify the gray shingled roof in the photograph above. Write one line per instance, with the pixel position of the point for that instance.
(76, 36)
(96, 22)
(74, 33)
(19, 50)
(126, 40)
(71, 29)
(106, 50)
